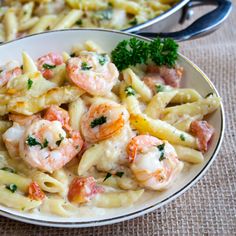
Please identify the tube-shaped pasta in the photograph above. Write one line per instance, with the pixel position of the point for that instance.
(28, 63)
(76, 110)
(17, 201)
(43, 24)
(55, 96)
(138, 85)
(58, 207)
(90, 158)
(26, 25)
(117, 199)
(10, 24)
(158, 103)
(189, 154)
(162, 130)
(68, 20)
(21, 182)
(202, 107)
(185, 95)
(48, 183)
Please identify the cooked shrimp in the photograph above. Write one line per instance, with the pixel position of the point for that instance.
(22, 119)
(48, 62)
(45, 145)
(82, 189)
(54, 112)
(8, 72)
(12, 136)
(11, 139)
(92, 72)
(103, 120)
(171, 76)
(154, 163)
(203, 132)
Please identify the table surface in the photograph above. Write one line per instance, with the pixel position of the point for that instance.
(208, 208)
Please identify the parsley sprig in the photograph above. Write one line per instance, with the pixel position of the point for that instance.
(98, 121)
(135, 51)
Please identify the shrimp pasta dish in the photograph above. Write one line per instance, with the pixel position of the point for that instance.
(89, 129)
(21, 17)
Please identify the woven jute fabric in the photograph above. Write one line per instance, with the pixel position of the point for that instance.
(209, 207)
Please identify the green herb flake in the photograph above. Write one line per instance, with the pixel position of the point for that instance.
(130, 53)
(182, 137)
(130, 91)
(208, 95)
(161, 148)
(119, 174)
(164, 51)
(58, 142)
(85, 66)
(79, 22)
(159, 88)
(33, 142)
(48, 66)
(45, 143)
(102, 59)
(107, 176)
(8, 169)
(29, 84)
(72, 54)
(98, 121)
(133, 21)
(21, 67)
(11, 187)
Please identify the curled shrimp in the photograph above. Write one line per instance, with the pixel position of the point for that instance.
(8, 72)
(12, 136)
(56, 113)
(154, 163)
(45, 145)
(103, 120)
(92, 72)
(48, 62)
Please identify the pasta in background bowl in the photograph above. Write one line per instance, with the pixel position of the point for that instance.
(131, 200)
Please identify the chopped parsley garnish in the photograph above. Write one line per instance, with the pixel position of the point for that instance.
(45, 143)
(110, 4)
(73, 54)
(135, 51)
(130, 53)
(1, 71)
(48, 66)
(208, 95)
(58, 142)
(21, 67)
(11, 187)
(29, 84)
(8, 169)
(159, 88)
(85, 66)
(130, 91)
(102, 59)
(107, 176)
(164, 51)
(119, 174)
(182, 137)
(98, 121)
(33, 142)
(134, 21)
(79, 22)
(161, 149)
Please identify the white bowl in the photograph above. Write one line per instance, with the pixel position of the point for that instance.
(59, 41)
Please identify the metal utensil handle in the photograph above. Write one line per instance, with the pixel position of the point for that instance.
(202, 26)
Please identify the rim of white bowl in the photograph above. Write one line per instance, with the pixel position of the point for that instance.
(107, 221)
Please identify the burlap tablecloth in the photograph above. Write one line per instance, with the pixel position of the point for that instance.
(208, 208)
